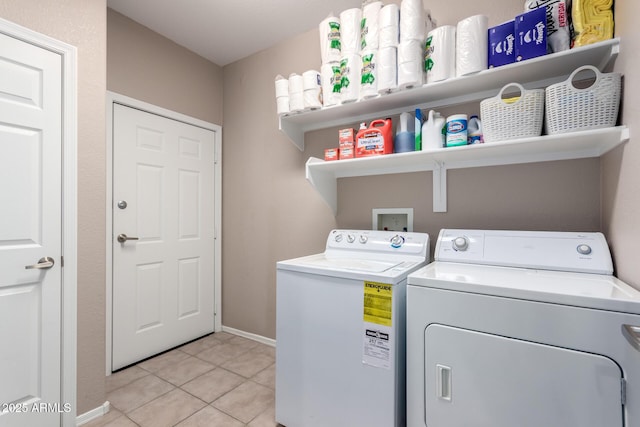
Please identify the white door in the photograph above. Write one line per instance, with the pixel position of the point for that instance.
(163, 234)
(30, 230)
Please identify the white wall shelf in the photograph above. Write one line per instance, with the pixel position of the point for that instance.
(592, 143)
(533, 73)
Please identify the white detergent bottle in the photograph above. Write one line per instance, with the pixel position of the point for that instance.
(432, 135)
(474, 131)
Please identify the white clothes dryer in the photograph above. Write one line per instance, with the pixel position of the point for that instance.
(527, 329)
(340, 330)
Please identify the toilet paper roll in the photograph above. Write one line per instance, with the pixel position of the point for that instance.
(330, 84)
(440, 54)
(296, 84)
(311, 80)
(350, 78)
(296, 93)
(387, 69)
(369, 25)
(369, 74)
(389, 26)
(350, 31)
(410, 64)
(282, 105)
(282, 86)
(312, 98)
(412, 20)
(472, 45)
(312, 85)
(330, 39)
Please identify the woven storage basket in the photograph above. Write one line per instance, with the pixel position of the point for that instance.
(572, 109)
(511, 120)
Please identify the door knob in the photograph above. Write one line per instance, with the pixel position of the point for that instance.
(123, 238)
(43, 263)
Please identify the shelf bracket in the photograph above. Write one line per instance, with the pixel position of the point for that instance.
(439, 187)
(295, 134)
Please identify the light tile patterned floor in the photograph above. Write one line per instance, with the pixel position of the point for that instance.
(221, 380)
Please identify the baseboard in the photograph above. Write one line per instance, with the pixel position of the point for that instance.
(93, 414)
(249, 335)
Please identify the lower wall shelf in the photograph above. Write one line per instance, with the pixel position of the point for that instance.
(576, 145)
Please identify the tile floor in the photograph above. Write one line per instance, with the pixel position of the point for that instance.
(221, 380)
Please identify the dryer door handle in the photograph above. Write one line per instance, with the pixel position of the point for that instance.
(632, 334)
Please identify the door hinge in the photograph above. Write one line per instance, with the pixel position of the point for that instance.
(623, 391)
(62, 261)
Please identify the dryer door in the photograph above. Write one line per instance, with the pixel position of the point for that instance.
(476, 379)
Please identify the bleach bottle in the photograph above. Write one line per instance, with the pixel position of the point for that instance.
(474, 131)
(432, 131)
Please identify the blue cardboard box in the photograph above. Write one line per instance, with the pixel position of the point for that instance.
(531, 34)
(502, 49)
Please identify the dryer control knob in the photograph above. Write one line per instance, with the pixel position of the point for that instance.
(460, 243)
(363, 239)
(584, 249)
(351, 238)
(338, 238)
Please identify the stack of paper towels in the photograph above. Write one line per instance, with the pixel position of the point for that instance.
(412, 38)
(331, 54)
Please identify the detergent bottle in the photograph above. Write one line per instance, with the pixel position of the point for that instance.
(405, 135)
(375, 140)
(432, 131)
(474, 131)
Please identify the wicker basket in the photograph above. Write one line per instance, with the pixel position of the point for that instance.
(572, 109)
(522, 118)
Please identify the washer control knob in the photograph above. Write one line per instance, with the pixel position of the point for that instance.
(397, 241)
(584, 249)
(363, 239)
(351, 238)
(460, 243)
(338, 238)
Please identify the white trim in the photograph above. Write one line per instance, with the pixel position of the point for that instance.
(69, 57)
(115, 98)
(93, 414)
(264, 340)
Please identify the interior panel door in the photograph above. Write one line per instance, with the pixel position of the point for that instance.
(163, 226)
(30, 230)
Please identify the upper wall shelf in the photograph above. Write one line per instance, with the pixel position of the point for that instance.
(533, 73)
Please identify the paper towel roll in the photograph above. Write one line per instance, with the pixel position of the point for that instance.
(387, 69)
(472, 45)
(282, 86)
(350, 78)
(369, 74)
(370, 25)
(410, 64)
(389, 26)
(282, 105)
(440, 56)
(296, 90)
(330, 39)
(412, 20)
(350, 31)
(330, 84)
(311, 80)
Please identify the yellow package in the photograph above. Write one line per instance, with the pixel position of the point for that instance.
(592, 21)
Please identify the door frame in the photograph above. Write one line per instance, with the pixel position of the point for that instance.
(116, 98)
(69, 298)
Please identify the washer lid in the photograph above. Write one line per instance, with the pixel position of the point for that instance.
(577, 289)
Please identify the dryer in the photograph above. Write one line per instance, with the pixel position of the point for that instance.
(340, 330)
(527, 329)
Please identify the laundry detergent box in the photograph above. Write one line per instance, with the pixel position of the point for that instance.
(346, 136)
(502, 44)
(531, 34)
(347, 152)
(331, 154)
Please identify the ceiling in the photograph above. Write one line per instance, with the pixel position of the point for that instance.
(225, 31)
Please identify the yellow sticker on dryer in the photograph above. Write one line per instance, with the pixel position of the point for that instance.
(378, 303)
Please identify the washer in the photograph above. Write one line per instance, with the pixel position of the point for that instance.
(340, 330)
(527, 329)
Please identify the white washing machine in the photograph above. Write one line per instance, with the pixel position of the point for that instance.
(526, 329)
(340, 330)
